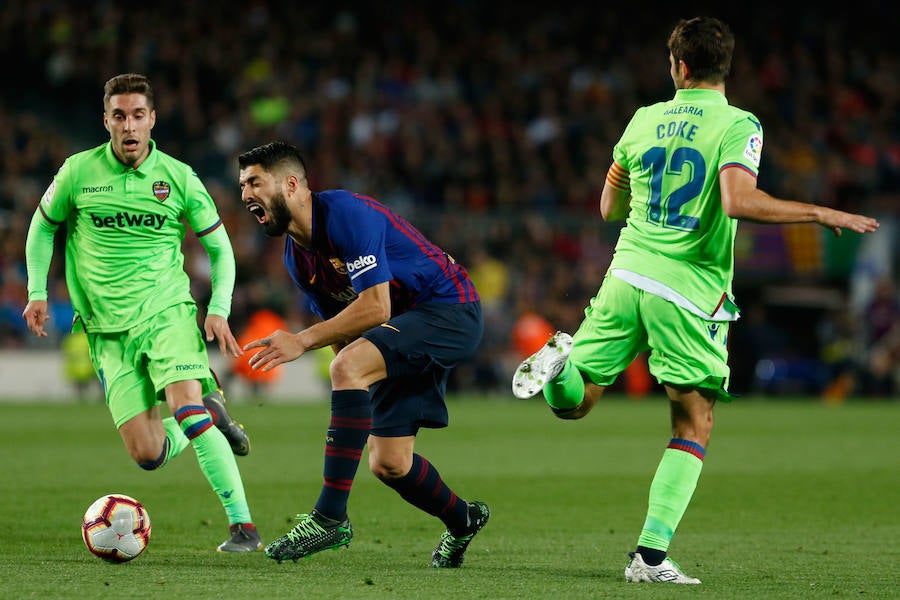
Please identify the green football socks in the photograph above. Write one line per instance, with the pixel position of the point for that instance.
(216, 461)
(177, 440)
(174, 442)
(566, 390)
(670, 492)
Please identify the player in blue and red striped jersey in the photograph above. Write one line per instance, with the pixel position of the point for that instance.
(400, 314)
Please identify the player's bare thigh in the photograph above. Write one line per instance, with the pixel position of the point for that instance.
(357, 366)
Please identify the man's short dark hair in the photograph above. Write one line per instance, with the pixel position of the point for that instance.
(128, 83)
(706, 45)
(273, 155)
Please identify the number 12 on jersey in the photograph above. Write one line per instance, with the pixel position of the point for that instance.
(666, 212)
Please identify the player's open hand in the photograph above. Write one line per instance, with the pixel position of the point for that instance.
(278, 347)
(217, 328)
(837, 220)
(35, 315)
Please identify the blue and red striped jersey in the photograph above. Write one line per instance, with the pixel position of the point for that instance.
(359, 242)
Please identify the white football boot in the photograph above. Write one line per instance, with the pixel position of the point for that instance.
(542, 366)
(667, 571)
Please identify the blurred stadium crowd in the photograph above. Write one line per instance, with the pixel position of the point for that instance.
(489, 125)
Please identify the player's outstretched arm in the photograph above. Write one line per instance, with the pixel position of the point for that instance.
(741, 199)
(371, 308)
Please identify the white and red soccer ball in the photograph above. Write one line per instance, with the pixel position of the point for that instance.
(116, 528)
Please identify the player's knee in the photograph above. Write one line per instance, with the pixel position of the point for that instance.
(148, 458)
(583, 408)
(387, 470)
(344, 372)
(568, 414)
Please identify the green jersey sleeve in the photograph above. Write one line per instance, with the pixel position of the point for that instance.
(222, 271)
(54, 208)
(38, 255)
(202, 216)
(200, 209)
(56, 203)
(742, 145)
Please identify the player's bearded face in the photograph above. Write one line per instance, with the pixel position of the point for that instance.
(279, 217)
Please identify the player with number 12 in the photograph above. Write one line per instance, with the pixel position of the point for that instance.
(683, 174)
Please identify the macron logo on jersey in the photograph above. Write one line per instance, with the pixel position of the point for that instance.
(126, 219)
(96, 189)
(361, 265)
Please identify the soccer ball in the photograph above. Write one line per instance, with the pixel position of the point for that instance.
(116, 528)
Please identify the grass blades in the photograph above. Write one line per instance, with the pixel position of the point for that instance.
(797, 500)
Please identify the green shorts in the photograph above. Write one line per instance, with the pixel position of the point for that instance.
(135, 366)
(685, 351)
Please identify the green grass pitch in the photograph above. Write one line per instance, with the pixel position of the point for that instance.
(797, 500)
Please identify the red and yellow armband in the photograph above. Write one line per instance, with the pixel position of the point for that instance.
(618, 177)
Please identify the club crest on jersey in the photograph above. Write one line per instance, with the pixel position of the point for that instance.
(338, 265)
(161, 190)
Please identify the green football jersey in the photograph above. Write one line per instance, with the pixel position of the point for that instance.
(125, 227)
(677, 232)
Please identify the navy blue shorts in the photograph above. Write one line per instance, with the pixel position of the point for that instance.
(420, 348)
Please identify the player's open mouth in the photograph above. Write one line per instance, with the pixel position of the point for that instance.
(257, 211)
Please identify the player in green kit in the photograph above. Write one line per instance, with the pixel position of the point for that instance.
(125, 204)
(684, 172)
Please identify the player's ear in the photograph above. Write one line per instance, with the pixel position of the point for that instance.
(152, 118)
(105, 121)
(292, 183)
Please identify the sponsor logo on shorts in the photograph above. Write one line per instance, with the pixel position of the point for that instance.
(189, 367)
